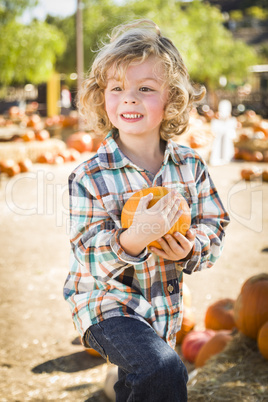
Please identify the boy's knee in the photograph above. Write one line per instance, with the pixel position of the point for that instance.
(172, 369)
(165, 380)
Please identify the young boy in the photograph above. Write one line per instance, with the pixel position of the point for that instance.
(126, 298)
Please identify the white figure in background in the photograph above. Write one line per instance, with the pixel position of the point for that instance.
(224, 130)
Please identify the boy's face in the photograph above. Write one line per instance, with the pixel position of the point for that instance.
(135, 105)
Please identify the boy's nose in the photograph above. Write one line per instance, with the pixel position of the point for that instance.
(130, 99)
(133, 101)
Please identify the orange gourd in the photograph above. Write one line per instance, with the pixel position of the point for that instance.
(214, 346)
(129, 209)
(251, 306)
(263, 340)
(220, 315)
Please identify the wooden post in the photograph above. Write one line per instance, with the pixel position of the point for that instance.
(53, 95)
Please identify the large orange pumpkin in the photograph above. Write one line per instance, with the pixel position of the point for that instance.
(129, 209)
(251, 306)
(263, 340)
(214, 346)
(220, 315)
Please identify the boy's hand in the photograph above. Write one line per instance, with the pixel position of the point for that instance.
(150, 224)
(176, 247)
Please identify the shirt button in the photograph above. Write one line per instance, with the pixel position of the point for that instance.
(170, 288)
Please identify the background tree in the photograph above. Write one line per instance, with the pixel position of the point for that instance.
(213, 51)
(27, 52)
(10, 9)
(197, 29)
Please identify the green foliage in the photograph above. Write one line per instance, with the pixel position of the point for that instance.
(213, 51)
(250, 3)
(257, 12)
(28, 53)
(263, 51)
(9, 9)
(236, 15)
(196, 28)
(66, 61)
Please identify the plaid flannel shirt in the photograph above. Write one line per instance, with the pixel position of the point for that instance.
(103, 280)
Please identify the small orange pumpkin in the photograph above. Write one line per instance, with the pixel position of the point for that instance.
(129, 209)
(187, 297)
(263, 340)
(214, 346)
(81, 141)
(250, 174)
(220, 315)
(10, 167)
(193, 341)
(251, 306)
(265, 175)
(74, 154)
(187, 325)
(25, 165)
(28, 136)
(93, 352)
(46, 157)
(42, 135)
(34, 121)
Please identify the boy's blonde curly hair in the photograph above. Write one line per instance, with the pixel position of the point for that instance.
(134, 43)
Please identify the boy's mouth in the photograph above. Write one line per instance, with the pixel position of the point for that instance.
(131, 116)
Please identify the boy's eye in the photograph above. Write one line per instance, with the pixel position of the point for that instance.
(116, 89)
(145, 89)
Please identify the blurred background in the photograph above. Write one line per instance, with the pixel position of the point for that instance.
(46, 49)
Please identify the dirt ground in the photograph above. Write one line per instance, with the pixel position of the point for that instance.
(41, 357)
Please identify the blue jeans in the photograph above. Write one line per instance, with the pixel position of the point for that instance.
(149, 370)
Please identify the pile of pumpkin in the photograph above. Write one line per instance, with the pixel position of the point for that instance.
(252, 142)
(247, 314)
(253, 173)
(77, 143)
(31, 118)
(12, 167)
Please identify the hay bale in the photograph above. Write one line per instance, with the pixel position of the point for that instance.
(237, 374)
(32, 149)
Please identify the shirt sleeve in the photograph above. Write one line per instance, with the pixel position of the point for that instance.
(209, 220)
(94, 236)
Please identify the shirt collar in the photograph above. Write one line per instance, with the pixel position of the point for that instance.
(173, 151)
(111, 157)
